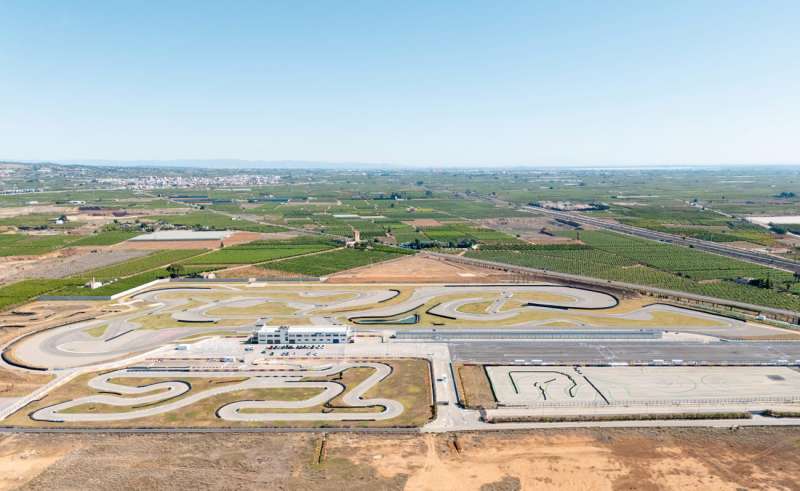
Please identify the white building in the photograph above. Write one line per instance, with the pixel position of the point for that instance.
(264, 334)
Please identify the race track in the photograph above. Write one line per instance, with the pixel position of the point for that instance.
(125, 396)
(154, 318)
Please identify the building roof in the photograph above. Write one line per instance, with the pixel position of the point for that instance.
(305, 329)
(183, 235)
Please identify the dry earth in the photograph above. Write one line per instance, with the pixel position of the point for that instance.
(16, 211)
(63, 262)
(423, 222)
(622, 459)
(529, 228)
(418, 269)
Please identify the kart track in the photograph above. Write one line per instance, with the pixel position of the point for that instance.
(560, 386)
(169, 314)
(144, 401)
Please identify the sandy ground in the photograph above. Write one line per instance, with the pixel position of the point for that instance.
(632, 459)
(417, 269)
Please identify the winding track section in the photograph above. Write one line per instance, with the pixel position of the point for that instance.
(72, 346)
(151, 395)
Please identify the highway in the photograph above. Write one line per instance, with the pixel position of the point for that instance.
(704, 245)
(578, 352)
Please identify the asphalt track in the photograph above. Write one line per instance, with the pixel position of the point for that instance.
(71, 346)
(575, 352)
(119, 395)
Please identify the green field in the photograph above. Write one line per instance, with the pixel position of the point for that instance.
(141, 264)
(621, 258)
(105, 238)
(33, 245)
(117, 286)
(334, 261)
(459, 232)
(202, 220)
(37, 221)
(256, 253)
(24, 291)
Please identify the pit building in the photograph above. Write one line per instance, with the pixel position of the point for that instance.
(264, 334)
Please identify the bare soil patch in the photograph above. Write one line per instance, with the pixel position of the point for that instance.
(63, 263)
(598, 459)
(418, 269)
(475, 387)
(160, 245)
(17, 383)
(749, 246)
(15, 211)
(423, 222)
(535, 229)
(254, 272)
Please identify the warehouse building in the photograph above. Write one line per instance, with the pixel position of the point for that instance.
(264, 334)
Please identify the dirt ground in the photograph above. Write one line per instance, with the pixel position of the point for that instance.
(63, 262)
(418, 269)
(254, 272)
(157, 245)
(535, 229)
(607, 459)
(18, 383)
(423, 222)
(15, 211)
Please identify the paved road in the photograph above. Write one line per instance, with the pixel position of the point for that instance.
(575, 352)
(704, 245)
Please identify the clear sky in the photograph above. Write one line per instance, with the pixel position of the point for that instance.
(408, 82)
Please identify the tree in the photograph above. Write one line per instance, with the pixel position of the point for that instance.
(175, 270)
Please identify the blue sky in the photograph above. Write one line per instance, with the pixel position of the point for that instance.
(417, 83)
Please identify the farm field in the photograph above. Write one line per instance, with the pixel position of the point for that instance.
(621, 258)
(335, 261)
(254, 253)
(151, 261)
(103, 238)
(32, 245)
(692, 222)
(213, 221)
(23, 291)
